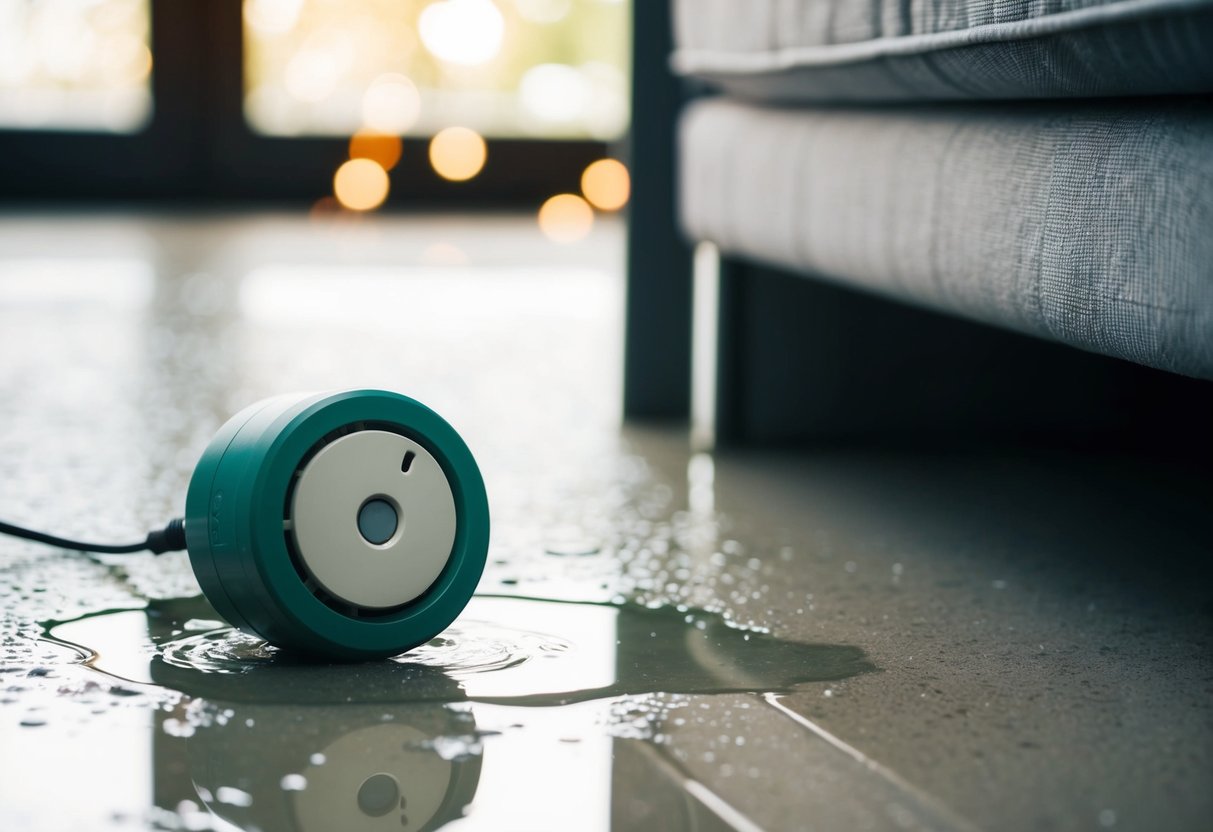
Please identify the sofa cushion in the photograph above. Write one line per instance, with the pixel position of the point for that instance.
(902, 50)
(1087, 225)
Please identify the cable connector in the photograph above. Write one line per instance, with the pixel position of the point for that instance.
(169, 539)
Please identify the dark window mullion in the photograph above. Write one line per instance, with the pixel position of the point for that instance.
(160, 160)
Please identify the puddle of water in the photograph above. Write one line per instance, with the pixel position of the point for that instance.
(502, 649)
(522, 713)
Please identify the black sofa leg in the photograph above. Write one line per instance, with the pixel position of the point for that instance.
(657, 346)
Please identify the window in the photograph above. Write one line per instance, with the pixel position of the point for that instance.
(75, 64)
(225, 99)
(552, 69)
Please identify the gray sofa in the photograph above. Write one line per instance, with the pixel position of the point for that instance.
(950, 177)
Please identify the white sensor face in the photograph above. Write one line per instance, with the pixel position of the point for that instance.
(373, 518)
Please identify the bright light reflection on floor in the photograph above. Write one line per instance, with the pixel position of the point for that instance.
(109, 773)
(552, 774)
(385, 296)
(113, 283)
(588, 664)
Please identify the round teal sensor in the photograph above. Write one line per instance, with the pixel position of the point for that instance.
(350, 525)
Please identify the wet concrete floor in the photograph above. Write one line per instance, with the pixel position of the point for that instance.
(1002, 638)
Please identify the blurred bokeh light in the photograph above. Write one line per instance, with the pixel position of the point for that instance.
(379, 147)
(504, 68)
(361, 185)
(391, 104)
(566, 218)
(467, 32)
(75, 65)
(458, 153)
(606, 184)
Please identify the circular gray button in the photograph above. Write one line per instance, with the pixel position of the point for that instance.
(380, 793)
(377, 521)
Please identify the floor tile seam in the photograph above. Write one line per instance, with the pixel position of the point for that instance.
(925, 799)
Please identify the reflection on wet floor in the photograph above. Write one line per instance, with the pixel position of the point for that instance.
(518, 704)
(527, 714)
(837, 638)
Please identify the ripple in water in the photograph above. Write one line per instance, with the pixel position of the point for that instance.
(226, 650)
(466, 648)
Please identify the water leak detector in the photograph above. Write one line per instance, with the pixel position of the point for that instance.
(347, 525)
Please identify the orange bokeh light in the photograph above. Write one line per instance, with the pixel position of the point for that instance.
(566, 218)
(458, 153)
(361, 185)
(606, 184)
(324, 208)
(383, 148)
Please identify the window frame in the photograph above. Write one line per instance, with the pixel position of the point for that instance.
(198, 145)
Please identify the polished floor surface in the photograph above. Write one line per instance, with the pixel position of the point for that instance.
(958, 638)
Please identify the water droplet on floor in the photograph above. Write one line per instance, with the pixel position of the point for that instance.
(195, 625)
(176, 728)
(293, 783)
(572, 546)
(233, 796)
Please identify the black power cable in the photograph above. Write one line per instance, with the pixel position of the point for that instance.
(169, 539)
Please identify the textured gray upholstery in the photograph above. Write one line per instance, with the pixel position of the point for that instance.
(1089, 225)
(901, 50)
